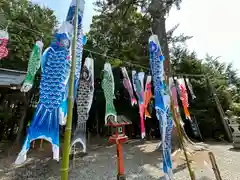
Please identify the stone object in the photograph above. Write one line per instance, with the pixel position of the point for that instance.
(234, 126)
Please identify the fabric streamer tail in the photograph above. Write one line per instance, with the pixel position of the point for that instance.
(147, 96)
(147, 114)
(41, 128)
(187, 114)
(163, 129)
(168, 140)
(80, 136)
(184, 98)
(141, 112)
(133, 101)
(167, 165)
(110, 112)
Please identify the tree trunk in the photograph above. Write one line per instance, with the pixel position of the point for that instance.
(158, 12)
(23, 121)
(159, 28)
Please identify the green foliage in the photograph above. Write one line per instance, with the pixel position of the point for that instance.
(223, 78)
(122, 32)
(235, 107)
(27, 22)
(116, 63)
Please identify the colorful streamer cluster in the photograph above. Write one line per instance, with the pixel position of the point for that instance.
(144, 95)
(52, 108)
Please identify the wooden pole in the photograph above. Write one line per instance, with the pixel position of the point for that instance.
(220, 110)
(218, 104)
(214, 166)
(68, 129)
(120, 175)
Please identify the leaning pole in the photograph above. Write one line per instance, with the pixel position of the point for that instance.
(68, 129)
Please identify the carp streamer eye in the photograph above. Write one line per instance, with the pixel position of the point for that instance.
(85, 73)
(1, 41)
(66, 43)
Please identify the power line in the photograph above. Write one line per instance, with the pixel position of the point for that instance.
(111, 57)
(91, 51)
(104, 55)
(9, 22)
(94, 52)
(190, 75)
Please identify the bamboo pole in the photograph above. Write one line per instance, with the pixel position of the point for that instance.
(68, 129)
(191, 173)
(214, 166)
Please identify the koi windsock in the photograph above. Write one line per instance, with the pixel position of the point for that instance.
(128, 86)
(184, 97)
(139, 89)
(148, 95)
(162, 103)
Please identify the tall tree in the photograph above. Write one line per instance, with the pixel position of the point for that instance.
(27, 22)
(158, 11)
(122, 31)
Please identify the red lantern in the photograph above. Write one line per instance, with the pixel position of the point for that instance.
(118, 137)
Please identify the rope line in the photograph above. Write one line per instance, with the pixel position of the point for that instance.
(110, 57)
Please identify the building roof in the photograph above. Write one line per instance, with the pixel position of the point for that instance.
(11, 78)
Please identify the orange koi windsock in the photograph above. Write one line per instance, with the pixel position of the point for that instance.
(184, 97)
(148, 95)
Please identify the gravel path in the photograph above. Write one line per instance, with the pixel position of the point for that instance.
(141, 163)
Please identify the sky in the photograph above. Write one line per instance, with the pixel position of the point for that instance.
(60, 8)
(214, 25)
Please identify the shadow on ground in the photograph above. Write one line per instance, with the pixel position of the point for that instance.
(234, 149)
(141, 160)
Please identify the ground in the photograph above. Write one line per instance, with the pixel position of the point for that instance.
(142, 162)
